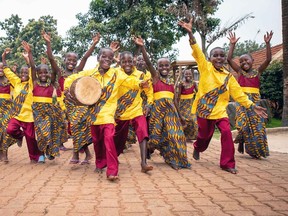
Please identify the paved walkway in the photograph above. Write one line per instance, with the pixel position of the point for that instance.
(57, 188)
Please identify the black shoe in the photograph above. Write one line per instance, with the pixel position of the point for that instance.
(196, 155)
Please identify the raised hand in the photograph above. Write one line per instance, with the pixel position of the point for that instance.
(26, 46)
(43, 60)
(268, 36)
(115, 46)
(138, 40)
(46, 36)
(232, 38)
(96, 38)
(186, 26)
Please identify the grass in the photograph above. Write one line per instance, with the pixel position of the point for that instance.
(272, 123)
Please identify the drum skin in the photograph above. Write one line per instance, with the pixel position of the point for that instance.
(85, 91)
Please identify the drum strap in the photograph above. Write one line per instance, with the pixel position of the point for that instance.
(105, 95)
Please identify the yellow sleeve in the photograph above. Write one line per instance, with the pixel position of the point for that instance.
(199, 58)
(237, 94)
(11, 76)
(70, 79)
(128, 81)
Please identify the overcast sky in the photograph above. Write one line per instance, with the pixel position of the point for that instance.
(267, 17)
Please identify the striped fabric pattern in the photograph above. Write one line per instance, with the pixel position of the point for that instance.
(166, 134)
(46, 128)
(208, 101)
(252, 129)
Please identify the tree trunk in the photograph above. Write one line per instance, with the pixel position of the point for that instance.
(285, 61)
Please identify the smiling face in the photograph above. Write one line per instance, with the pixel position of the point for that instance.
(43, 73)
(71, 61)
(105, 58)
(246, 62)
(163, 66)
(126, 62)
(217, 57)
(24, 74)
(140, 63)
(188, 75)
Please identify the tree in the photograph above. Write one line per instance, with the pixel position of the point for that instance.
(285, 61)
(272, 87)
(248, 46)
(120, 20)
(16, 33)
(207, 26)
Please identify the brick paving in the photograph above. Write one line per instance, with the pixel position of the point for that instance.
(58, 188)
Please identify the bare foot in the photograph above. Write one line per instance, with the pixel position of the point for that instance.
(113, 178)
(145, 168)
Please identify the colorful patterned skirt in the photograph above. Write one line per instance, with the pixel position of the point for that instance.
(251, 129)
(191, 128)
(5, 115)
(80, 129)
(46, 125)
(166, 133)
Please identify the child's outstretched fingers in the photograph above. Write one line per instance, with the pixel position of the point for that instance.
(261, 111)
(232, 38)
(138, 40)
(186, 26)
(268, 36)
(96, 37)
(115, 46)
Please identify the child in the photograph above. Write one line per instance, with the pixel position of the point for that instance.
(22, 116)
(5, 106)
(101, 115)
(214, 90)
(165, 129)
(129, 110)
(77, 115)
(186, 93)
(251, 128)
(44, 108)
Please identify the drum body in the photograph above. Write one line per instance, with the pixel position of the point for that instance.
(85, 90)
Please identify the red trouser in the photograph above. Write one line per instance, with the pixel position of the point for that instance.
(14, 130)
(206, 129)
(104, 147)
(139, 125)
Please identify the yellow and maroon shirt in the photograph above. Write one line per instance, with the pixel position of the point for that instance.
(210, 80)
(25, 114)
(104, 110)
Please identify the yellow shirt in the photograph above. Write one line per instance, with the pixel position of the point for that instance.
(210, 79)
(135, 109)
(107, 111)
(25, 114)
(149, 91)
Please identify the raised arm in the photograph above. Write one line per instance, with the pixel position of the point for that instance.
(233, 40)
(89, 52)
(54, 65)
(28, 50)
(264, 65)
(115, 46)
(139, 42)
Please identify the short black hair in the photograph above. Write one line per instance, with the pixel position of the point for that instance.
(102, 50)
(215, 49)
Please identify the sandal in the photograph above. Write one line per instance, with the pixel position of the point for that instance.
(230, 170)
(74, 161)
(84, 162)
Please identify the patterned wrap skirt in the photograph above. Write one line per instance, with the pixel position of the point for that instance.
(46, 125)
(166, 133)
(191, 128)
(80, 128)
(5, 115)
(252, 129)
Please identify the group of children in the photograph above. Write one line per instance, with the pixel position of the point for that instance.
(134, 95)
